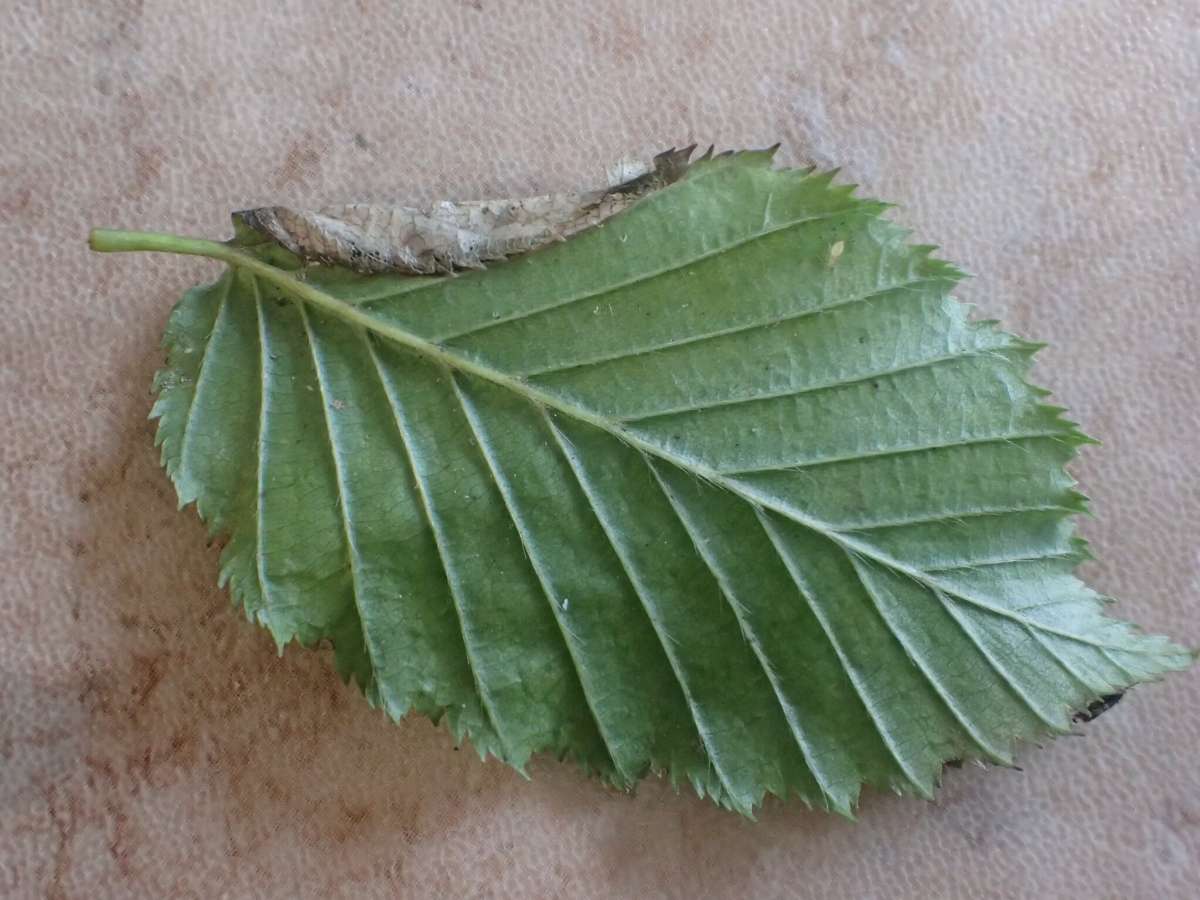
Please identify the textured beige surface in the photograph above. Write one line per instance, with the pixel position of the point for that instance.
(151, 742)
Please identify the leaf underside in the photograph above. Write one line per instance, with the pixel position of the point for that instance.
(728, 488)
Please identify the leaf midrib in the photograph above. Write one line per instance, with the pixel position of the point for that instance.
(356, 316)
(546, 399)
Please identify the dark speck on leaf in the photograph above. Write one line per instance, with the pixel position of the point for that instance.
(1098, 707)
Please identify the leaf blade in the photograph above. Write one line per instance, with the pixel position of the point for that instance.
(896, 486)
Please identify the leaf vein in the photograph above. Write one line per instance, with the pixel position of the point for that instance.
(923, 666)
(1062, 663)
(790, 714)
(826, 629)
(954, 517)
(898, 451)
(801, 391)
(1011, 683)
(439, 540)
(353, 558)
(205, 356)
(504, 488)
(1000, 561)
(738, 329)
(260, 559)
(640, 591)
(641, 277)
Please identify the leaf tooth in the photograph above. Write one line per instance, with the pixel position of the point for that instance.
(934, 265)
(1034, 347)
(823, 178)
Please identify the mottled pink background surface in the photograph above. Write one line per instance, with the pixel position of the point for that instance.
(152, 744)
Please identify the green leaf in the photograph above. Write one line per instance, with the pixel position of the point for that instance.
(728, 488)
